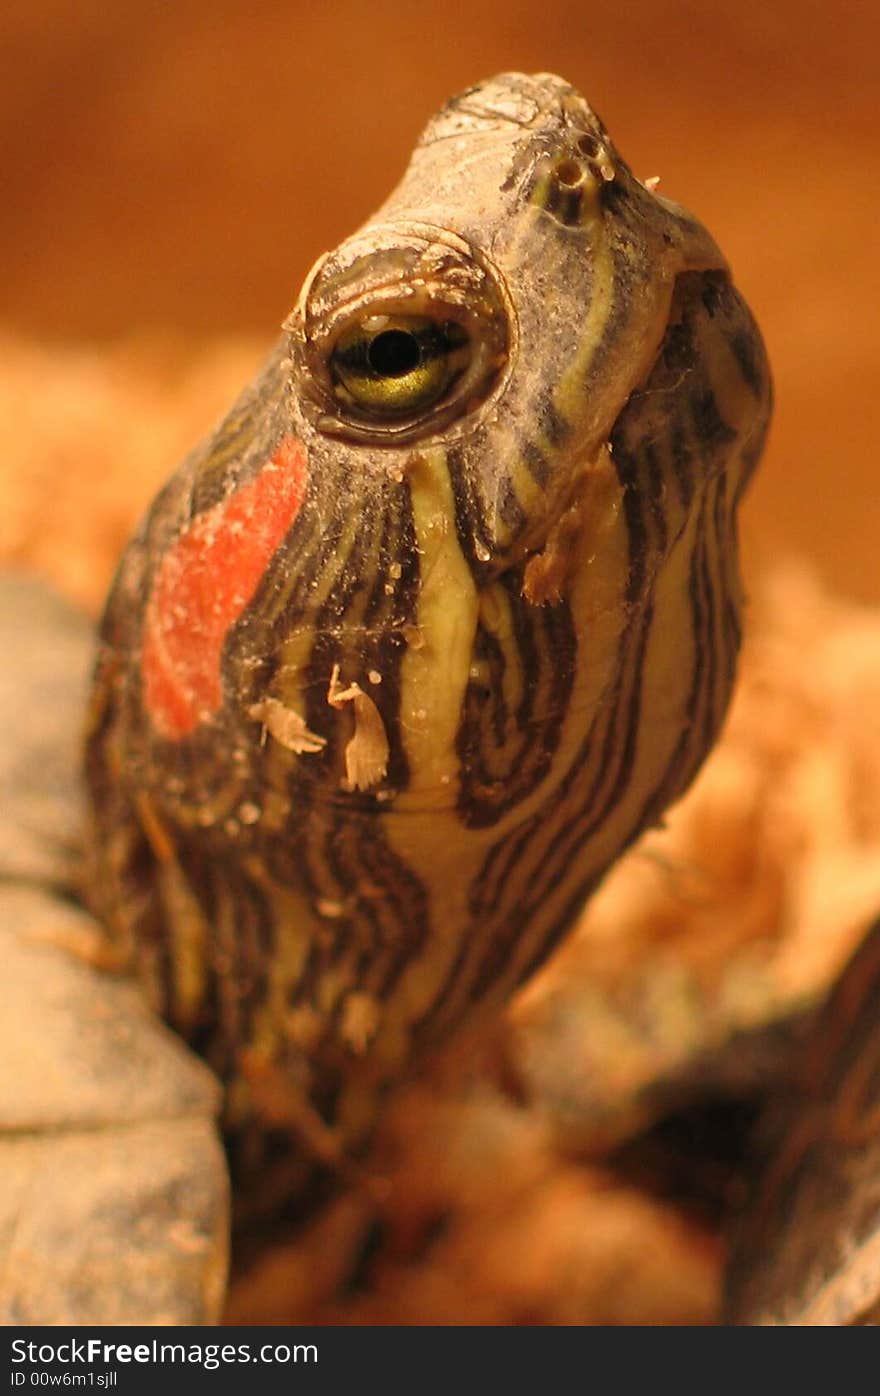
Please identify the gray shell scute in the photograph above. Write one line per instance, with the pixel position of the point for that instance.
(114, 1195)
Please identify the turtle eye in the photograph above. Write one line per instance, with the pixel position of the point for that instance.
(393, 366)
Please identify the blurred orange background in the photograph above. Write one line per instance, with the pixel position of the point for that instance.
(177, 167)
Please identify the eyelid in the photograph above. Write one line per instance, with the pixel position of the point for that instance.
(403, 274)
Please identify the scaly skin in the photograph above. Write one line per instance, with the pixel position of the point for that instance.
(384, 691)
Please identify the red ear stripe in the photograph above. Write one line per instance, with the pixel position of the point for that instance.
(203, 584)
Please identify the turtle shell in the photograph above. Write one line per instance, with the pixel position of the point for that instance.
(114, 1202)
(808, 1248)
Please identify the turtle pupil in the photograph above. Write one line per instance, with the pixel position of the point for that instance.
(393, 353)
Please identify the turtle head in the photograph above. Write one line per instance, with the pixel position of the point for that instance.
(500, 307)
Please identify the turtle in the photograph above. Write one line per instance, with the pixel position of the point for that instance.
(443, 614)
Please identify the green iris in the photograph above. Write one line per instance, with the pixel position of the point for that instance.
(398, 365)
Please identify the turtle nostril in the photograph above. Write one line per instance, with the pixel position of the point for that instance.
(569, 173)
(589, 146)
